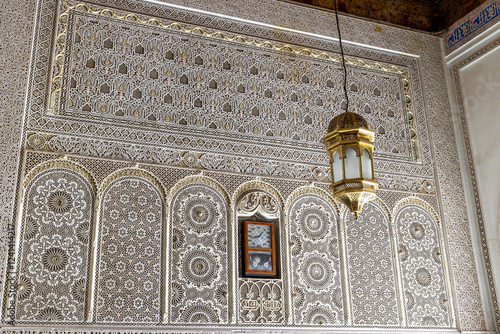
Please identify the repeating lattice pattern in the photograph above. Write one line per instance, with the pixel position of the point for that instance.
(199, 287)
(55, 245)
(316, 274)
(130, 253)
(421, 263)
(371, 268)
(139, 73)
(199, 274)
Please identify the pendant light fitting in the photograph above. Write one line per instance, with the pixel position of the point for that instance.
(349, 144)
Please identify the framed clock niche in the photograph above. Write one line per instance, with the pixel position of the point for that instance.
(259, 249)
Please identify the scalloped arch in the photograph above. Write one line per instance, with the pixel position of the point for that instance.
(198, 179)
(416, 201)
(311, 190)
(133, 172)
(61, 164)
(377, 201)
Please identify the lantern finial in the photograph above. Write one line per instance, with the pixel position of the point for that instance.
(349, 144)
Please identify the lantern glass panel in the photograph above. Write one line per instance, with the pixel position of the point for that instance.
(367, 165)
(337, 167)
(351, 165)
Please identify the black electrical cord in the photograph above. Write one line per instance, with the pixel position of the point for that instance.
(342, 54)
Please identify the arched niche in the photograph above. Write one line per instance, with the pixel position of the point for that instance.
(130, 249)
(316, 272)
(199, 252)
(371, 267)
(259, 300)
(422, 264)
(55, 236)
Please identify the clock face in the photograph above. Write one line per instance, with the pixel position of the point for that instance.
(259, 236)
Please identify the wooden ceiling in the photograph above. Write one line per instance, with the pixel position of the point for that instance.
(426, 15)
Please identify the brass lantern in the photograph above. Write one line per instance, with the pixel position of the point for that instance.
(349, 144)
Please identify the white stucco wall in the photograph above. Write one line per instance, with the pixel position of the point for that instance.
(476, 87)
(481, 89)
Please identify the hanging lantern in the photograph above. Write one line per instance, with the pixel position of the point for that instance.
(349, 144)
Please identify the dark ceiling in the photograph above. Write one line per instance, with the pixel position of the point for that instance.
(427, 15)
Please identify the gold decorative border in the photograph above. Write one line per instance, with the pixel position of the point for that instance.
(192, 179)
(61, 164)
(314, 191)
(61, 38)
(133, 172)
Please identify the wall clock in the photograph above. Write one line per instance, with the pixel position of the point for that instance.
(260, 250)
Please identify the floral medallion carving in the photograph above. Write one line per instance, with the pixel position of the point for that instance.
(423, 275)
(199, 255)
(58, 202)
(315, 272)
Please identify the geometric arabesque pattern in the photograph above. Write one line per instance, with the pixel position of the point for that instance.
(371, 267)
(129, 281)
(151, 75)
(421, 59)
(315, 262)
(331, 272)
(421, 263)
(57, 222)
(199, 279)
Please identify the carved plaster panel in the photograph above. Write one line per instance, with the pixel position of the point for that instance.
(371, 267)
(199, 288)
(317, 278)
(421, 264)
(56, 232)
(129, 280)
(423, 72)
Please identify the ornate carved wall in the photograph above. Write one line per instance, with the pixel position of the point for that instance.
(164, 127)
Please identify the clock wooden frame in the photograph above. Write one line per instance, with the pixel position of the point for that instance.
(258, 273)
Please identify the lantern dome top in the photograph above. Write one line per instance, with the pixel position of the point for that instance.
(347, 120)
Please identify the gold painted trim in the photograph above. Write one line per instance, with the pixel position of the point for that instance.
(133, 172)
(61, 38)
(192, 179)
(312, 190)
(61, 164)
